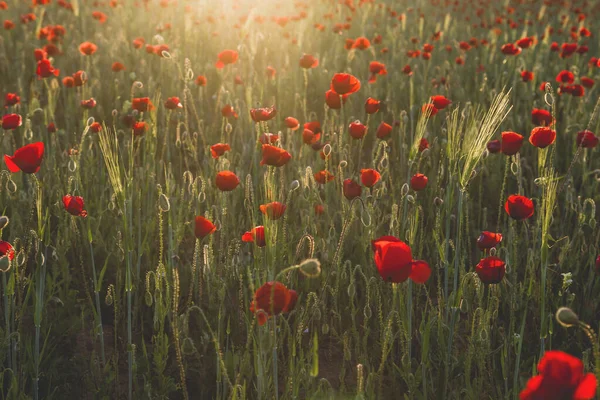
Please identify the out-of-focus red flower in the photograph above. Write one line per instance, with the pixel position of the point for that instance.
(263, 114)
(309, 137)
(117, 67)
(138, 43)
(494, 146)
(273, 210)
(99, 16)
(586, 82)
(292, 123)
(74, 205)
(227, 111)
(541, 117)
(272, 298)
(68, 82)
(372, 106)
(369, 177)
(89, 103)
(407, 70)
(45, 69)
(308, 61)
(568, 49)
(79, 78)
(226, 181)
(39, 54)
(351, 189)
(139, 128)
(542, 137)
(423, 145)
(87, 48)
(587, 139)
(440, 102)
(201, 80)
(518, 207)
(491, 270)
(361, 43)
(565, 76)
(511, 143)
(319, 209)
(487, 240)
(376, 68)
(418, 182)
(526, 76)
(142, 104)
(203, 227)
(323, 177)
(510, 49)
(561, 376)
(226, 57)
(430, 109)
(342, 84)
(27, 158)
(274, 156)
(95, 127)
(256, 235)
(51, 128)
(173, 103)
(11, 121)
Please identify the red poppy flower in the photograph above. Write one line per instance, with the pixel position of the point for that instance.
(487, 240)
(256, 235)
(79, 78)
(568, 49)
(394, 262)
(314, 126)
(6, 250)
(173, 103)
(11, 99)
(27, 158)
(142, 104)
(308, 61)
(99, 16)
(45, 69)
(369, 177)
(333, 101)
(372, 106)
(383, 130)
(423, 145)
(494, 146)
(511, 143)
(272, 298)
(274, 156)
(418, 182)
(139, 128)
(440, 102)
(319, 209)
(68, 82)
(95, 127)
(576, 90)
(203, 227)
(560, 377)
(361, 43)
(201, 80)
(323, 177)
(351, 189)
(587, 139)
(263, 114)
(541, 117)
(228, 111)
(429, 109)
(217, 150)
(271, 72)
(525, 42)
(226, 57)
(344, 84)
(74, 205)
(226, 181)
(273, 210)
(11, 121)
(292, 123)
(587, 82)
(309, 137)
(518, 207)
(357, 130)
(565, 76)
(491, 270)
(542, 137)
(117, 67)
(268, 138)
(87, 48)
(39, 54)
(407, 70)
(526, 76)
(510, 49)
(89, 103)
(51, 128)
(376, 68)
(138, 43)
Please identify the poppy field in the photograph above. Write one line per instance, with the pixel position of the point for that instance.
(329, 199)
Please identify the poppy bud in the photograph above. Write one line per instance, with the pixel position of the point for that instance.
(566, 317)
(311, 268)
(3, 222)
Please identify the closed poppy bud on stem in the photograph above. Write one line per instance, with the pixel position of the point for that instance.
(566, 317)
(3, 222)
(310, 268)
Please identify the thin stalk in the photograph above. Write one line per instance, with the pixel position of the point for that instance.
(461, 195)
(96, 296)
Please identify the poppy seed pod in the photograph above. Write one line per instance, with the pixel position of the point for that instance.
(566, 317)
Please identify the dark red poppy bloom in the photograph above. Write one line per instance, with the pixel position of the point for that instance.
(319, 209)
(344, 84)
(587, 82)
(510, 49)
(263, 114)
(89, 103)
(369, 177)
(6, 249)
(99, 16)
(429, 109)
(203, 227)
(11, 99)
(309, 137)
(139, 128)
(95, 127)
(423, 145)
(351, 189)
(272, 298)
(256, 235)
(361, 43)
(45, 69)
(273, 210)
(383, 130)
(561, 377)
(565, 76)
(511, 143)
(39, 54)
(333, 100)
(526, 76)
(314, 126)
(219, 149)
(79, 78)
(576, 90)
(357, 130)
(418, 182)
(87, 48)
(525, 42)
(142, 104)
(394, 261)
(173, 103)
(226, 57)
(227, 111)
(376, 68)
(568, 49)
(74, 205)
(542, 137)
(27, 158)
(226, 181)
(440, 102)
(494, 146)
(541, 117)
(407, 70)
(117, 67)
(587, 139)
(308, 61)
(201, 80)
(51, 128)
(11, 121)
(292, 123)
(372, 106)
(518, 207)
(491, 270)
(323, 177)
(487, 240)
(274, 156)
